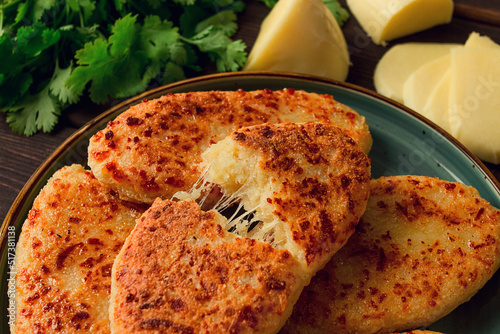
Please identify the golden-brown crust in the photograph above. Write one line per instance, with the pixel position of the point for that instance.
(418, 332)
(316, 182)
(65, 254)
(423, 247)
(180, 272)
(153, 149)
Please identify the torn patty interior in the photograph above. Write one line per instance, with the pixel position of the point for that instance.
(240, 219)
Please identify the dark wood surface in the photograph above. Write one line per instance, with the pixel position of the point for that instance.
(20, 156)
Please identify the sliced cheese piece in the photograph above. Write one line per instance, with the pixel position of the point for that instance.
(400, 61)
(301, 36)
(387, 20)
(437, 104)
(475, 98)
(477, 41)
(423, 81)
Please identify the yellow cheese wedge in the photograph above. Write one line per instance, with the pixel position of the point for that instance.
(400, 61)
(422, 82)
(475, 97)
(385, 20)
(437, 104)
(301, 36)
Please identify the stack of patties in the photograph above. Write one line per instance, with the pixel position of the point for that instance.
(305, 185)
(312, 187)
(211, 211)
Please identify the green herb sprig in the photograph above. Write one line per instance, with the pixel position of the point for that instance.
(53, 51)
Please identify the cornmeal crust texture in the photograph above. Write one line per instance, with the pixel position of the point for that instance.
(423, 247)
(307, 183)
(153, 149)
(184, 270)
(65, 254)
(180, 272)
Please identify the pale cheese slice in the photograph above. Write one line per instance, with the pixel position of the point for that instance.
(423, 81)
(437, 104)
(400, 61)
(475, 97)
(301, 36)
(477, 41)
(387, 20)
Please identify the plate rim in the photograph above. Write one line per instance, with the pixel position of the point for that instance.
(25, 191)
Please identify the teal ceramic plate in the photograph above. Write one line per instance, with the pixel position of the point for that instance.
(403, 143)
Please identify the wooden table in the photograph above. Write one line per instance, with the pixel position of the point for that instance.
(20, 156)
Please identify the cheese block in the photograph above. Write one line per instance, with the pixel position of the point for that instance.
(387, 20)
(300, 36)
(400, 61)
(423, 81)
(475, 97)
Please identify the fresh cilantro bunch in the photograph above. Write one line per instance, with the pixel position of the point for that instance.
(52, 52)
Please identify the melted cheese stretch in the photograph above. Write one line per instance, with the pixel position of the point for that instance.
(240, 220)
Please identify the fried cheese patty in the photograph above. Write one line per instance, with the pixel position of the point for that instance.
(153, 149)
(423, 247)
(308, 183)
(181, 270)
(65, 254)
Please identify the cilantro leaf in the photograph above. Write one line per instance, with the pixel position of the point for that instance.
(57, 85)
(34, 10)
(34, 39)
(34, 113)
(190, 18)
(86, 7)
(15, 82)
(229, 55)
(119, 4)
(22, 11)
(269, 3)
(12, 88)
(185, 2)
(40, 6)
(11, 60)
(340, 13)
(154, 3)
(233, 57)
(161, 42)
(94, 60)
(113, 68)
(225, 20)
(158, 38)
(172, 73)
